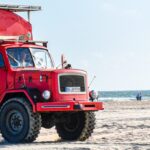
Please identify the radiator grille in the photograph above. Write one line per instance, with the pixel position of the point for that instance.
(72, 83)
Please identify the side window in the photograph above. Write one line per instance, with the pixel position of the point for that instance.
(1, 61)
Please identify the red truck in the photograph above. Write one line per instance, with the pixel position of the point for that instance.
(33, 92)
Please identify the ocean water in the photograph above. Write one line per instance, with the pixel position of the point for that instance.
(122, 95)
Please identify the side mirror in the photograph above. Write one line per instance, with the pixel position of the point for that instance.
(64, 64)
(63, 61)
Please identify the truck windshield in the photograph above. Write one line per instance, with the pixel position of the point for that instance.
(41, 58)
(29, 57)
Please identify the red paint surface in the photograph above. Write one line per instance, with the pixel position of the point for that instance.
(12, 24)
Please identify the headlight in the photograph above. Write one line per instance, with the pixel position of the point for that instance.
(46, 94)
(92, 95)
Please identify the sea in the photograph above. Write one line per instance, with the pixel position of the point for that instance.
(122, 95)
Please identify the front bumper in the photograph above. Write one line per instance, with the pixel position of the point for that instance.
(68, 106)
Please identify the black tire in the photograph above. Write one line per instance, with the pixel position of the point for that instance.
(18, 123)
(78, 126)
(47, 120)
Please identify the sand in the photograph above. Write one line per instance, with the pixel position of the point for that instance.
(121, 126)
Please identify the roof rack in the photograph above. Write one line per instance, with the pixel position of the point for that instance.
(44, 43)
(20, 8)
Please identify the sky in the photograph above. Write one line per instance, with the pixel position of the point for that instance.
(110, 39)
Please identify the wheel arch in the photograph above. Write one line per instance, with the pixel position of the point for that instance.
(17, 93)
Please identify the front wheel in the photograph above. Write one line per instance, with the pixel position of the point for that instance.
(77, 126)
(18, 123)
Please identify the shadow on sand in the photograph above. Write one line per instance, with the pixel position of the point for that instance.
(61, 144)
(56, 145)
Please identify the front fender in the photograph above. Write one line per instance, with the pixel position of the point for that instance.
(13, 93)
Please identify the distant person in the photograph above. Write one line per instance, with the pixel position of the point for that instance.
(139, 96)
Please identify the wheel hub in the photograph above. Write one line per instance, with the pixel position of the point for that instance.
(15, 122)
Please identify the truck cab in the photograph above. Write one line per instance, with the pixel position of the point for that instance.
(30, 68)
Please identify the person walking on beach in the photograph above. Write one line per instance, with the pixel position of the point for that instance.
(139, 96)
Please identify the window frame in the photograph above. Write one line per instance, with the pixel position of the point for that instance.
(3, 61)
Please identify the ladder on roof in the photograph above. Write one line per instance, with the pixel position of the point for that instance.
(20, 8)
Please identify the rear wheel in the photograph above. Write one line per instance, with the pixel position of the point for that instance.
(18, 123)
(77, 126)
(47, 120)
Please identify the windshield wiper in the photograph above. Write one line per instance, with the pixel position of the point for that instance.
(13, 59)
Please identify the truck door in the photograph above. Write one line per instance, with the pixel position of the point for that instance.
(2, 75)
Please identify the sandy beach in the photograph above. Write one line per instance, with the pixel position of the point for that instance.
(121, 126)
